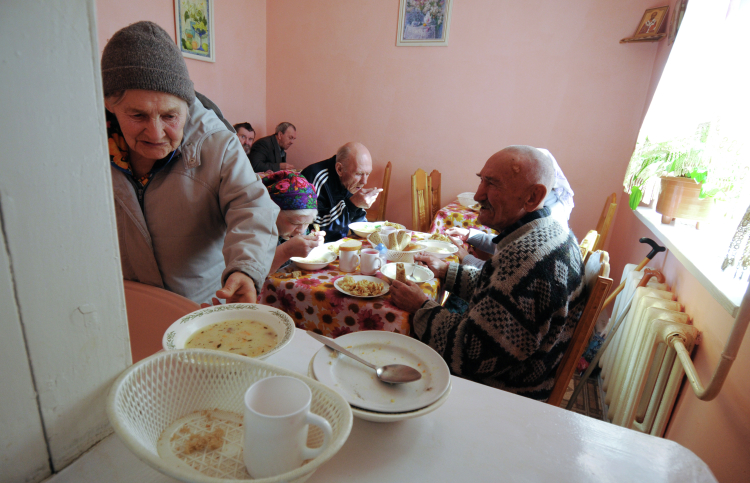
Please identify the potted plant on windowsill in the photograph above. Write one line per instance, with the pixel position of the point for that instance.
(682, 168)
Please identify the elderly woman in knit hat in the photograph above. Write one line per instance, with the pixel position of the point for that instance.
(192, 217)
(299, 205)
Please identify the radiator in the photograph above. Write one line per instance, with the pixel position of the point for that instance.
(639, 372)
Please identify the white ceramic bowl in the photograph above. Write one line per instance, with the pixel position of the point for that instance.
(421, 274)
(364, 229)
(437, 248)
(466, 199)
(180, 331)
(311, 263)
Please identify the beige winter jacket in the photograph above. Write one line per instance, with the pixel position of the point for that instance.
(205, 215)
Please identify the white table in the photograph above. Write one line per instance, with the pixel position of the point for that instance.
(479, 434)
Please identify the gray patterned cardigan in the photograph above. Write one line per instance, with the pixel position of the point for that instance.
(523, 307)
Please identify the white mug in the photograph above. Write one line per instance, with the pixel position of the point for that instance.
(277, 414)
(348, 260)
(371, 262)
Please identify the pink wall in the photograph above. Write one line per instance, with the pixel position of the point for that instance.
(236, 82)
(717, 431)
(549, 74)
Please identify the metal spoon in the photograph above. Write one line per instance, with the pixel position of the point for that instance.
(411, 275)
(392, 373)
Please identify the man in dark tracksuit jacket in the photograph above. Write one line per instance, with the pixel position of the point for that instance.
(339, 182)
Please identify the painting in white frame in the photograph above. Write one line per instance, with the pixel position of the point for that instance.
(423, 22)
(194, 29)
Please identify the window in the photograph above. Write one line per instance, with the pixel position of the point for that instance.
(698, 126)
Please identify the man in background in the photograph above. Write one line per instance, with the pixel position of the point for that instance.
(246, 135)
(340, 183)
(525, 302)
(269, 153)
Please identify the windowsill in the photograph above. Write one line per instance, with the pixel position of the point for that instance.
(701, 254)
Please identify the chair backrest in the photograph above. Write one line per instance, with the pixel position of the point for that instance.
(421, 201)
(605, 220)
(588, 243)
(151, 311)
(378, 214)
(598, 283)
(435, 205)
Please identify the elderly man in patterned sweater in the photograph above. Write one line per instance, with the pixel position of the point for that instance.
(525, 302)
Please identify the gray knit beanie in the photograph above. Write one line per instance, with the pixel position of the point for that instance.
(143, 56)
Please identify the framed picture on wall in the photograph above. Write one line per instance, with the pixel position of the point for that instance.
(651, 23)
(194, 25)
(423, 22)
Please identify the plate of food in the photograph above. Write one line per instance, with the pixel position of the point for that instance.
(250, 330)
(440, 237)
(364, 229)
(317, 259)
(362, 286)
(359, 385)
(415, 273)
(335, 247)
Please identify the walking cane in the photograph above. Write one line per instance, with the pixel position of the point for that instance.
(655, 248)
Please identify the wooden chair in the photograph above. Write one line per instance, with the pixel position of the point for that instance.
(588, 243)
(151, 310)
(435, 205)
(425, 199)
(605, 220)
(378, 214)
(598, 283)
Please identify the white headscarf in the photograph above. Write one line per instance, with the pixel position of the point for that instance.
(560, 199)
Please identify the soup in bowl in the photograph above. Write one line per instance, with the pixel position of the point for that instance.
(251, 330)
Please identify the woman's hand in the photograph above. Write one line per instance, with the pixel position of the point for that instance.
(239, 289)
(301, 245)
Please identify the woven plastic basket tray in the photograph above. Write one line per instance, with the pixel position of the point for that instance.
(157, 404)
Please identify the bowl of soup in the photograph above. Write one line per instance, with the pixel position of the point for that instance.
(249, 330)
(438, 248)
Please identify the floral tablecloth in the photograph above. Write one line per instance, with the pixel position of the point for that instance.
(455, 215)
(314, 303)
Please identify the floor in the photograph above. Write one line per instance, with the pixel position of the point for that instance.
(590, 400)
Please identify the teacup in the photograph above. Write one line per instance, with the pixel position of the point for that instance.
(348, 258)
(277, 415)
(370, 262)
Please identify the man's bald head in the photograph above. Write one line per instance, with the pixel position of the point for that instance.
(514, 181)
(531, 164)
(353, 165)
